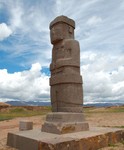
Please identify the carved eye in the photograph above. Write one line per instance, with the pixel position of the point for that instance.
(53, 31)
(70, 29)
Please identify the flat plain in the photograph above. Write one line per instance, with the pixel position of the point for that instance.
(100, 117)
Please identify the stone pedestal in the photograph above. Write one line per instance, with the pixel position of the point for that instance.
(64, 122)
(93, 139)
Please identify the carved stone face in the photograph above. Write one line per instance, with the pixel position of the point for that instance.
(56, 33)
(61, 31)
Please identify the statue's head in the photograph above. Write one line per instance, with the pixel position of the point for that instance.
(61, 28)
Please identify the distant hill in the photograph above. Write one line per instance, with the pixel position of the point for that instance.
(29, 103)
(35, 103)
(103, 104)
(4, 104)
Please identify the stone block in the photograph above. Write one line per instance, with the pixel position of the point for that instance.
(65, 117)
(25, 125)
(64, 122)
(93, 139)
(63, 128)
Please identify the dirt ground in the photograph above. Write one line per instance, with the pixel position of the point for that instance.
(107, 120)
(13, 126)
(94, 119)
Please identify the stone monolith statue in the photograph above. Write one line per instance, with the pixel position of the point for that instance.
(66, 81)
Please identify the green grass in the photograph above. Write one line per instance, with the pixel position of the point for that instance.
(21, 112)
(2, 118)
(119, 109)
(115, 144)
(14, 112)
(118, 126)
(112, 145)
(122, 142)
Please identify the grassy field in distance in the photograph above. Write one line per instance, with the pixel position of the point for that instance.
(27, 111)
(23, 111)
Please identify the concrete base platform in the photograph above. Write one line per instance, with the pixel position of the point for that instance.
(93, 139)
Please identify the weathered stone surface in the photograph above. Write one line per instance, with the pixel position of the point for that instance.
(65, 117)
(63, 128)
(22, 142)
(61, 28)
(66, 81)
(25, 125)
(93, 139)
(64, 122)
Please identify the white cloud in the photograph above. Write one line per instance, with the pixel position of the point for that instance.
(103, 78)
(30, 25)
(94, 20)
(59, 7)
(99, 30)
(25, 85)
(35, 67)
(16, 17)
(5, 31)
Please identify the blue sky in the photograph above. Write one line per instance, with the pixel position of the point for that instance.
(25, 48)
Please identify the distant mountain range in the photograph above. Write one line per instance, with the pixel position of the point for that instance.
(35, 103)
(28, 103)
